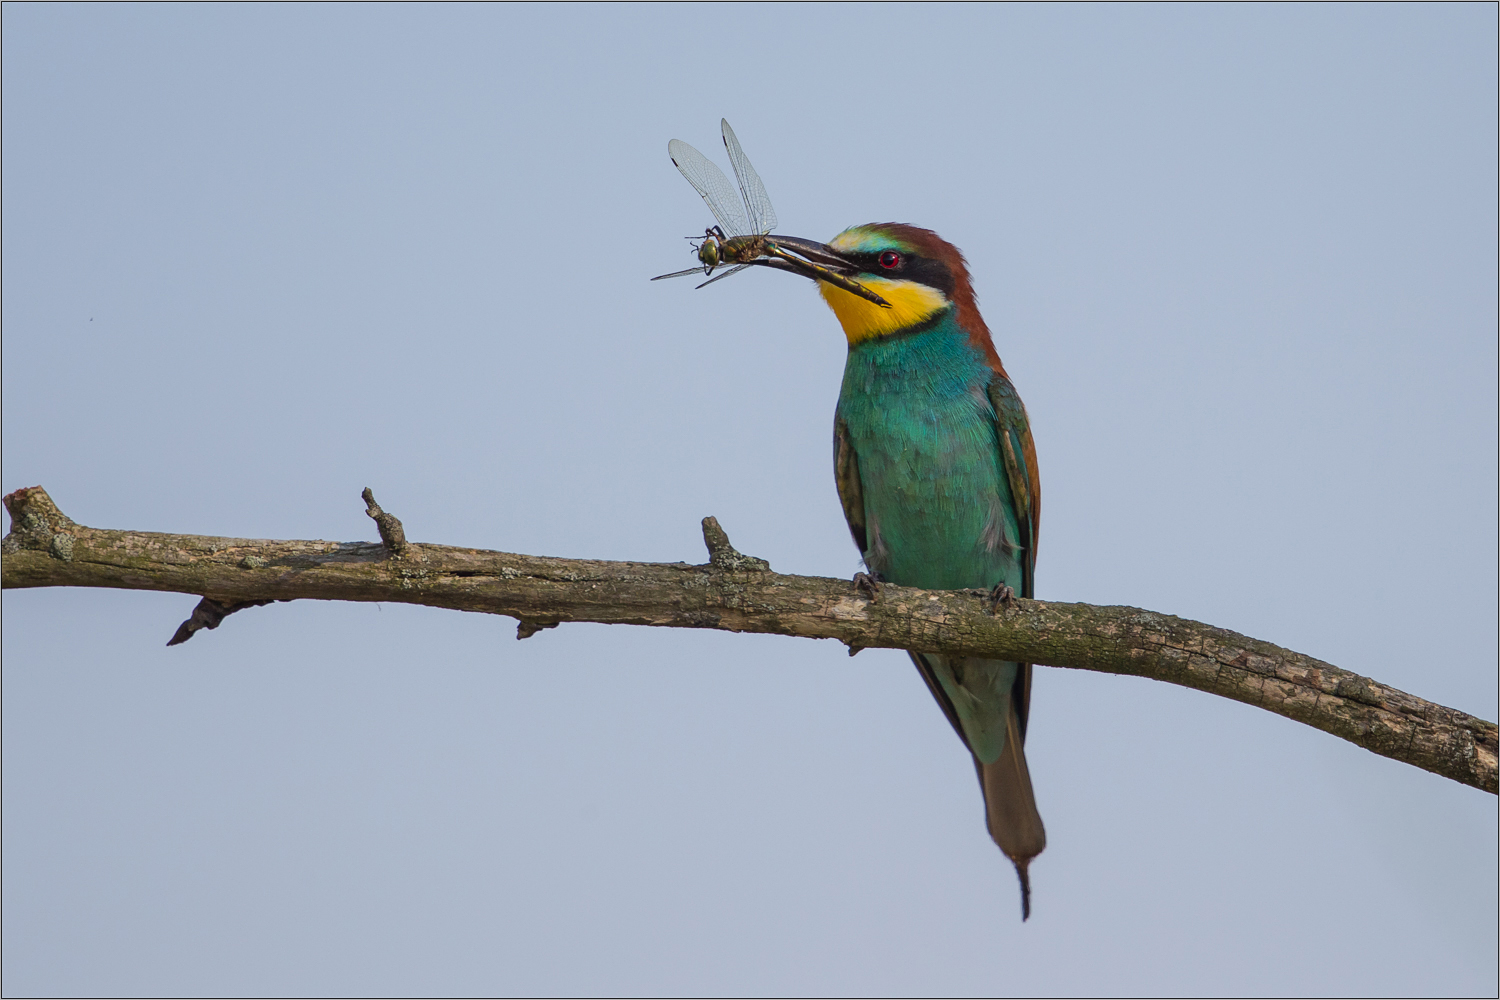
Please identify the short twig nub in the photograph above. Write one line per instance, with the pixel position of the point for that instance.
(526, 629)
(392, 535)
(722, 555)
(208, 614)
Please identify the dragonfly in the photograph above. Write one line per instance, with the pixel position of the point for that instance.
(742, 236)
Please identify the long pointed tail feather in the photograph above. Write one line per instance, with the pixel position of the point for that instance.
(1009, 805)
(1010, 809)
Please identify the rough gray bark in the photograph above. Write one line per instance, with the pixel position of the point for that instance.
(739, 593)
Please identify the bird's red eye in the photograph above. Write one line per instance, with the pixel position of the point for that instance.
(890, 259)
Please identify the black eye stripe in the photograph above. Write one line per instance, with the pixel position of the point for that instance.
(924, 270)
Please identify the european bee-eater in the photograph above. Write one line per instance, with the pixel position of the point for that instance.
(932, 450)
(938, 477)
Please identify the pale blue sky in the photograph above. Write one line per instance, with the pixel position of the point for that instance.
(1240, 262)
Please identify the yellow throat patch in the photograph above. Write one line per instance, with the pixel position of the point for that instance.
(911, 303)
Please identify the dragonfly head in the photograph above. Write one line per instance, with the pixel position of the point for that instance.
(708, 254)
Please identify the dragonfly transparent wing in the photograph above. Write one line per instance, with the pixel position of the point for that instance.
(721, 277)
(710, 182)
(680, 274)
(762, 216)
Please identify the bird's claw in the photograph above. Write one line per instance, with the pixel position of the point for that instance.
(869, 585)
(1002, 594)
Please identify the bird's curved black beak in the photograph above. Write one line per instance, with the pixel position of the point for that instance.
(817, 261)
(811, 250)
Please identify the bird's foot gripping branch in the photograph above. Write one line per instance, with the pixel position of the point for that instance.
(740, 593)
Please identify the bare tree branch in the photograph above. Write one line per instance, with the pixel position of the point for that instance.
(739, 593)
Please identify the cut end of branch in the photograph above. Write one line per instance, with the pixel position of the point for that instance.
(36, 523)
(392, 535)
(33, 501)
(722, 555)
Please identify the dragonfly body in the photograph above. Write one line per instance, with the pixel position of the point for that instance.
(717, 249)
